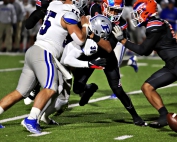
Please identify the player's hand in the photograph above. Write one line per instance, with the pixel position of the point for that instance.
(99, 63)
(84, 20)
(118, 33)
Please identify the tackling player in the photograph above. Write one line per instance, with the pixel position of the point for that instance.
(61, 19)
(111, 70)
(160, 38)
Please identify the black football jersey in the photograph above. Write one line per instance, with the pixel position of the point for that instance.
(159, 37)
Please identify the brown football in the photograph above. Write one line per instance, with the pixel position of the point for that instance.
(172, 121)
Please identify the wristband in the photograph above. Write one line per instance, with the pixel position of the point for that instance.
(86, 26)
(96, 38)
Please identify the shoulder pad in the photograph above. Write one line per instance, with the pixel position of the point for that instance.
(154, 26)
(70, 18)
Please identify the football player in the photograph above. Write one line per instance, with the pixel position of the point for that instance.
(111, 70)
(160, 38)
(61, 19)
(70, 58)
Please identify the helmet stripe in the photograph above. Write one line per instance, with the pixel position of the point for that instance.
(111, 2)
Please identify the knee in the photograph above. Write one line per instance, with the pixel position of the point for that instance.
(78, 87)
(147, 87)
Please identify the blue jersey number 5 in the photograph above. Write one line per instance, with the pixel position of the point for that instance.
(47, 23)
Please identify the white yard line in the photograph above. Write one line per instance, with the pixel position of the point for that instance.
(41, 134)
(11, 69)
(123, 137)
(77, 104)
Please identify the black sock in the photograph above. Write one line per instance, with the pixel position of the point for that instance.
(163, 111)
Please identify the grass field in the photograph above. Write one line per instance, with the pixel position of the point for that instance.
(99, 121)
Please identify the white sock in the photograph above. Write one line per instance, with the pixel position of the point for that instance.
(1, 110)
(34, 113)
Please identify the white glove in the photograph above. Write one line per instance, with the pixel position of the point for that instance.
(118, 33)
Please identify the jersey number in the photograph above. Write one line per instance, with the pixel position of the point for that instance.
(47, 23)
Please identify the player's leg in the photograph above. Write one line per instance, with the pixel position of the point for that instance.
(119, 51)
(59, 101)
(26, 82)
(132, 61)
(40, 59)
(159, 79)
(81, 76)
(113, 77)
(28, 100)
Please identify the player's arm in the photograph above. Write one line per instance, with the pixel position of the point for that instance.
(69, 21)
(104, 44)
(34, 18)
(71, 59)
(143, 49)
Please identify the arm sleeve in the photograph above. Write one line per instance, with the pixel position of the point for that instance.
(71, 59)
(34, 18)
(146, 47)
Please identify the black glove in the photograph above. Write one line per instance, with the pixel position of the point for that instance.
(98, 63)
(118, 33)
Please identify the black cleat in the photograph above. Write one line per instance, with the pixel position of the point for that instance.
(161, 122)
(88, 94)
(140, 122)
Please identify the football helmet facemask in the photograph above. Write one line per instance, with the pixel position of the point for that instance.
(113, 9)
(142, 10)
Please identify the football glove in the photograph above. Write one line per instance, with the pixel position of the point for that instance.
(98, 63)
(118, 34)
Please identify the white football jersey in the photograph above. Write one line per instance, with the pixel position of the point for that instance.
(51, 35)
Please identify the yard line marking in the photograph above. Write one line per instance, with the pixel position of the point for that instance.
(11, 69)
(142, 64)
(158, 65)
(77, 104)
(37, 135)
(123, 137)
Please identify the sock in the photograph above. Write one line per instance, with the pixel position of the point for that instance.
(1, 110)
(34, 113)
(163, 111)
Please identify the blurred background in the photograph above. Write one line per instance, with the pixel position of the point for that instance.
(15, 38)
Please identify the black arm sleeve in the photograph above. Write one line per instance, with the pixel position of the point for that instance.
(34, 18)
(146, 47)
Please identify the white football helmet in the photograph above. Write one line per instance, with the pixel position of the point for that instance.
(101, 26)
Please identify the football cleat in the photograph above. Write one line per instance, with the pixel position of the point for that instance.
(53, 122)
(31, 125)
(113, 96)
(133, 63)
(48, 121)
(140, 122)
(91, 88)
(28, 101)
(1, 126)
(159, 123)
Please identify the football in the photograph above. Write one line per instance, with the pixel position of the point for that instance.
(172, 121)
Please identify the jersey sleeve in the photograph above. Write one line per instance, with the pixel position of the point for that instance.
(70, 18)
(146, 47)
(34, 18)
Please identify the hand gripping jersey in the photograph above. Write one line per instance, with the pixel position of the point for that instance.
(51, 35)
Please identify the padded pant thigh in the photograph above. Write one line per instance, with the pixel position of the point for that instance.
(161, 78)
(81, 76)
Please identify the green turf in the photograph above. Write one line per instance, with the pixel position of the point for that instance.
(100, 121)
